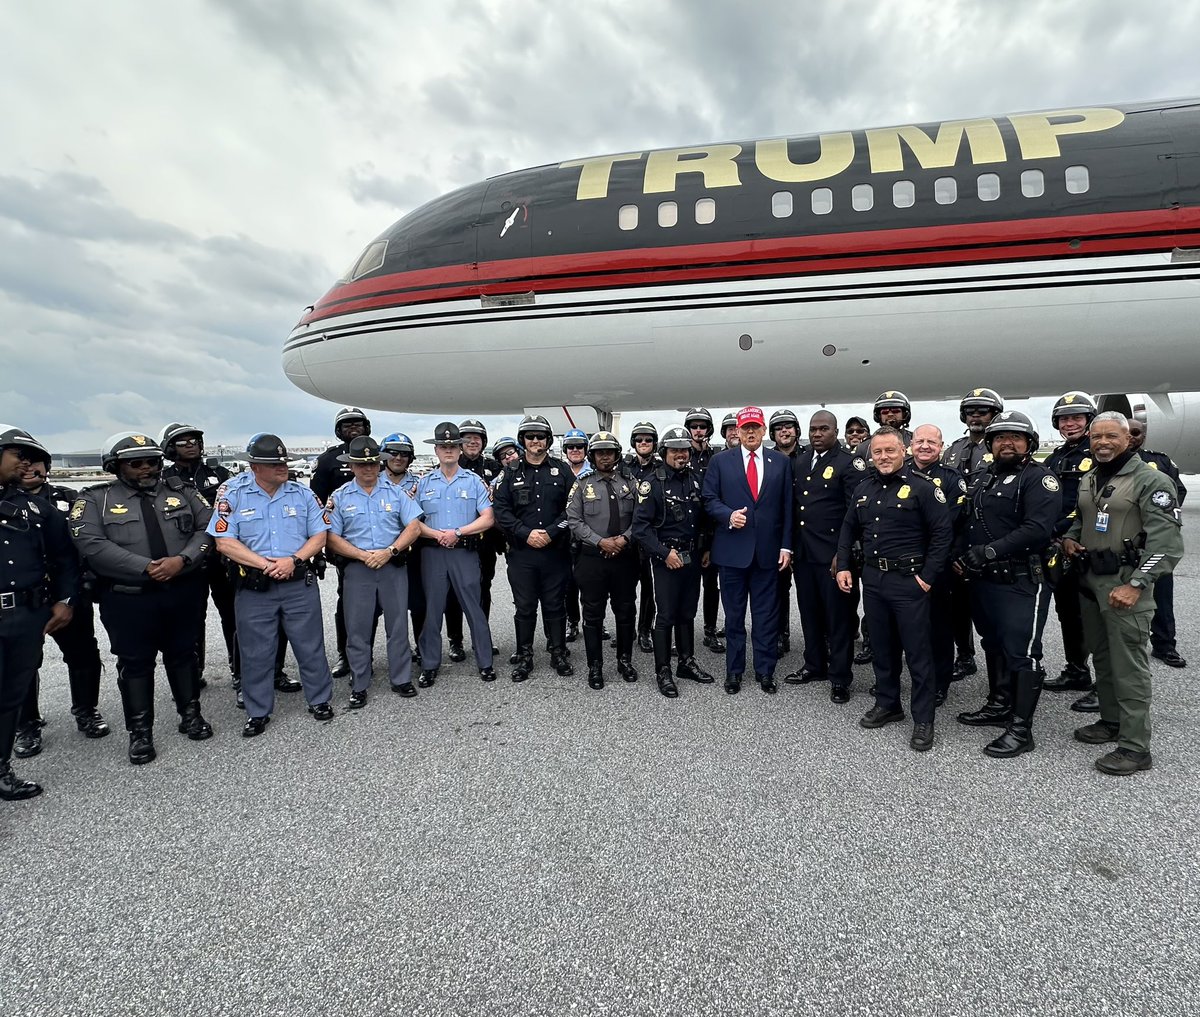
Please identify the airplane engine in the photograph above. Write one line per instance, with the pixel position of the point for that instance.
(1172, 423)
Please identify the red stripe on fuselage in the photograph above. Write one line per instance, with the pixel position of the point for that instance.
(1020, 240)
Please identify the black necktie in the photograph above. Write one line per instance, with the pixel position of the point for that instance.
(614, 509)
(154, 533)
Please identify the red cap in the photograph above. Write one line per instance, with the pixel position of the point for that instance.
(750, 415)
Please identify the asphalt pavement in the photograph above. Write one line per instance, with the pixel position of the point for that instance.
(546, 849)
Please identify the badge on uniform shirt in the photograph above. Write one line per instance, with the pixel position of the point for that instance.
(937, 493)
(1049, 483)
(937, 481)
(554, 471)
(987, 457)
(289, 510)
(828, 473)
(1101, 522)
(1010, 478)
(172, 503)
(34, 509)
(644, 487)
(77, 509)
(589, 492)
(464, 494)
(904, 491)
(118, 510)
(1085, 465)
(387, 506)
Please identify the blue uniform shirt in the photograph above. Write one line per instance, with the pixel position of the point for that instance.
(371, 521)
(274, 527)
(451, 504)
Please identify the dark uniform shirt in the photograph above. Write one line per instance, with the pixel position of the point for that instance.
(821, 494)
(669, 512)
(529, 498)
(1014, 510)
(902, 516)
(205, 479)
(971, 458)
(35, 546)
(329, 474)
(638, 470)
(1164, 464)
(951, 483)
(1070, 463)
(62, 498)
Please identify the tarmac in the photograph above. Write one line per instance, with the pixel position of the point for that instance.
(546, 849)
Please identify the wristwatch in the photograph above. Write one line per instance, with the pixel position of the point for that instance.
(297, 562)
(458, 532)
(395, 550)
(989, 553)
(1138, 583)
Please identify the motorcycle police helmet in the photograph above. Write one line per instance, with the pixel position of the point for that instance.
(980, 399)
(727, 424)
(534, 425)
(346, 415)
(893, 400)
(127, 445)
(603, 441)
(675, 437)
(173, 431)
(1012, 422)
(362, 450)
(780, 418)
(643, 427)
(16, 437)
(397, 444)
(574, 436)
(473, 427)
(1071, 403)
(698, 414)
(267, 450)
(503, 443)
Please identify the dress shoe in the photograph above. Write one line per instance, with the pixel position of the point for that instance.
(627, 671)
(193, 724)
(322, 711)
(285, 684)
(13, 789)
(406, 690)
(693, 672)
(964, 667)
(1123, 762)
(877, 716)
(1089, 703)
(357, 700)
(457, 654)
(666, 684)
(939, 698)
(1170, 658)
(767, 682)
(255, 726)
(714, 641)
(487, 674)
(89, 721)
(141, 747)
(1098, 733)
(340, 667)
(645, 642)
(572, 631)
(1072, 678)
(864, 656)
(514, 657)
(595, 676)
(427, 678)
(733, 683)
(29, 740)
(805, 676)
(561, 662)
(922, 738)
(523, 668)
(838, 693)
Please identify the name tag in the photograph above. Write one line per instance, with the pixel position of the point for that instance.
(1101, 522)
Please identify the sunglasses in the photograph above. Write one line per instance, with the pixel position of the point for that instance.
(186, 441)
(141, 462)
(574, 448)
(643, 439)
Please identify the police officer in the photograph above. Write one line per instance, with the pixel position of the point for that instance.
(531, 508)
(823, 483)
(271, 528)
(1072, 414)
(397, 453)
(639, 464)
(901, 519)
(891, 409)
(329, 474)
(668, 525)
(856, 432)
(1162, 628)
(39, 578)
(373, 523)
(505, 451)
(76, 639)
(575, 445)
(783, 428)
(698, 422)
(1010, 523)
(457, 511)
(729, 431)
(144, 539)
(600, 513)
(1127, 534)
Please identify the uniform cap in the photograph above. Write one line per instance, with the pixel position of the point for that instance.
(446, 433)
(363, 449)
(267, 450)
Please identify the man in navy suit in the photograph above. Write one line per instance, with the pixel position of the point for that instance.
(748, 493)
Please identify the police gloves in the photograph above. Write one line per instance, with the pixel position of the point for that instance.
(977, 556)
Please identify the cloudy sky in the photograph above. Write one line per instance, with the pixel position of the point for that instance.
(178, 180)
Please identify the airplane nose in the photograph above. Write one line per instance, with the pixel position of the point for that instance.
(296, 371)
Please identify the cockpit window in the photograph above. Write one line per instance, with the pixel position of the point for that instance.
(369, 261)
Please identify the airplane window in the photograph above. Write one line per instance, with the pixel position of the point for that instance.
(1077, 179)
(627, 217)
(904, 194)
(989, 186)
(862, 197)
(945, 190)
(1033, 183)
(706, 211)
(372, 258)
(668, 213)
(822, 201)
(781, 204)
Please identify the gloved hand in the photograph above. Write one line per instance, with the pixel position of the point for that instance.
(976, 557)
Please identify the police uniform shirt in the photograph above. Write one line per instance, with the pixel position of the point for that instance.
(823, 489)
(951, 483)
(207, 480)
(60, 498)
(371, 521)
(485, 468)
(669, 512)
(1014, 511)
(330, 472)
(1164, 464)
(454, 503)
(638, 470)
(274, 526)
(1070, 463)
(532, 498)
(588, 506)
(35, 546)
(971, 458)
(110, 530)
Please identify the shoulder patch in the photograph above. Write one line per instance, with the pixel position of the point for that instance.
(859, 464)
(937, 493)
(962, 484)
(1163, 499)
(77, 509)
(1049, 483)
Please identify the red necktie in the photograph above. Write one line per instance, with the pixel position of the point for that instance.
(752, 477)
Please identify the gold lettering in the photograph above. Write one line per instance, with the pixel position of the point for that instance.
(595, 173)
(714, 162)
(1039, 137)
(773, 161)
(982, 135)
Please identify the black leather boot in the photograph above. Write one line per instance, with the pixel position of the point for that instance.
(712, 640)
(28, 741)
(685, 639)
(85, 694)
(137, 701)
(625, 666)
(1072, 678)
(593, 644)
(997, 711)
(12, 788)
(193, 724)
(662, 662)
(1018, 736)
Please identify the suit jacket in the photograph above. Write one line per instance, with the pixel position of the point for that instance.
(768, 526)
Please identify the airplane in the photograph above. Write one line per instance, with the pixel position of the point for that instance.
(1033, 253)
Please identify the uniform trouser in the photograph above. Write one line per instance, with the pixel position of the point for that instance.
(539, 576)
(416, 593)
(757, 584)
(784, 588)
(221, 590)
(826, 616)
(81, 654)
(1066, 606)
(897, 610)
(676, 593)
(20, 653)
(1118, 641)
(166, 618)
(339, 614)
(297, 606)
(960, 618)
(454, 611)
(571, 592)
(944, 607)
(712, 595)
(441, 569)
(1162, 628)
(645, 617)
(1011, 618)
(366, 591)
(603, 579)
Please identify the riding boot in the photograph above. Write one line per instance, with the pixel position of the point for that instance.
(662, 661)
(997, 711)
(1018, 736)
(625, 637)
(593, 644)
(137, 700)
(685, 639)
(523, 654)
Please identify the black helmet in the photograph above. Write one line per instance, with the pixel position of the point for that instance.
(534, 424)
(397, 443)
(780, 418)
(127, 445)
(980, 398)
(729, 421)
(446, 433)
(503, 443)
(1071, 403)
(15, 437)
(603, 441)
(347, 414)
(893, 400)
(168, 435)
(1012, 422)
(363, 449)
(473, 427)
(675, 437)
(699, 413)
(267, 450)
(642, 427)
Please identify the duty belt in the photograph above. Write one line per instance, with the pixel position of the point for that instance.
(680, 545)
(902, 566)
(35, 596)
